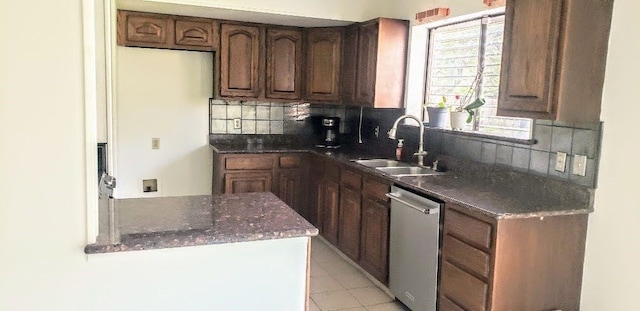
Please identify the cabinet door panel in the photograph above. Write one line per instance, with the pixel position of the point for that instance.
(367, 59)
(140, 29)
(374, 247)
(284, 63)
(240, 55)
(529, 56)
(247, 182)
(289, 186)
(324, 49)
(462, 288)
(330, 209)
(349, 230)
(194, 34)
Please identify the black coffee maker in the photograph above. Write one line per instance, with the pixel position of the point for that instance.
(330, 132)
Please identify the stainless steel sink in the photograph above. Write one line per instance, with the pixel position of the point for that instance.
(381, 163)
(409, 171)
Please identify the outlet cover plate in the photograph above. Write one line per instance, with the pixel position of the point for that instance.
(155, 143)
(237, 123)
(561, 161)
(579, 165)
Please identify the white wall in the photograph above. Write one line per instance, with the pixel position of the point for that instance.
(163, 94)
(612, 264)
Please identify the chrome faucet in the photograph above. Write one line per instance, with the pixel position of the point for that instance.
(421, 153)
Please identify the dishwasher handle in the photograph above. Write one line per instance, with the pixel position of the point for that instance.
(397, 197)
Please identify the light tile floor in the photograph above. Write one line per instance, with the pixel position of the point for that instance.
(337, 285)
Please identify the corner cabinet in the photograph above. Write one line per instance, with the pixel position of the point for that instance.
(380, 63)
(239, 60)
(284, 63)
(554, 68)
(323, 61)
(511, 264)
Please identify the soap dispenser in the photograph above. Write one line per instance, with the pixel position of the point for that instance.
(399, 149)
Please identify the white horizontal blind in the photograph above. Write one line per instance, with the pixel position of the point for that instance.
(455, 58)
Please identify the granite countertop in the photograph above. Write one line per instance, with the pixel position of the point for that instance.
(496, 194)
(167, 222)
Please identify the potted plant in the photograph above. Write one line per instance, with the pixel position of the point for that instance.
(464, 108)
(438, 113)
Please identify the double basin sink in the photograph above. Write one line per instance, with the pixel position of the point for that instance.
(397, 168)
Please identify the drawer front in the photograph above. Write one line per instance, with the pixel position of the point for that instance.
(468, 229)
(448, 305)
(331, 171)
(290, 161)
(462, 288)
(351, 179)
(465, 256)
(249, 163)
(376, 189)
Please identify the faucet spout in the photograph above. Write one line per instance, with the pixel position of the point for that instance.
(392, 134)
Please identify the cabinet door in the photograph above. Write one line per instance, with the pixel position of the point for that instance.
(289, 189)
(330, 208)
(374, 247)
(529, 58)
(349, 228)
(324, 48)
(367, 58)
(193, 34)
(145, 30)
(284, 63)
(349, 65)
(242, 182)
(316, 197)
(239, 58)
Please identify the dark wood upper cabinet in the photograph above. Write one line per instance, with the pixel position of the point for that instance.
(284, 63)
(381, 58)
(239, 60)
(553, 68)
(167, 31)
(144, 29)
(194, 34)
(349, 65)
(323, 61)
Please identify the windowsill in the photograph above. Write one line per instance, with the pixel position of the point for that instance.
(520, 141)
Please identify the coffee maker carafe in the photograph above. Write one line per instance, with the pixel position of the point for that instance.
(330, 132)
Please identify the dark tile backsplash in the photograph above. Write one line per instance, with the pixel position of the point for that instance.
(304, 119)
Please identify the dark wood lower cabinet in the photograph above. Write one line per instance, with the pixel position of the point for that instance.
(330, 211)
(374, 245)
(247, 182)
(290, 190)
(349, 223)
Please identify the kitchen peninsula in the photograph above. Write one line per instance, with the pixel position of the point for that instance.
(247, 244)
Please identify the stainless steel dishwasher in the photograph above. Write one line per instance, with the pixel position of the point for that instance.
(413, 249)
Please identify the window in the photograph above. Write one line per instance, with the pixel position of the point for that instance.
(459, 52)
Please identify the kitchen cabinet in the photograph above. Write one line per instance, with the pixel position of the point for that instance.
(350, 214)
(349, 65)
(323, 61)
(239, 60)
(290, 187)
(330, 211)
(152, 30)
(247, 182)
(374, 245)
(554, 68)
(380, 59)
(511, 264)
(284, 63)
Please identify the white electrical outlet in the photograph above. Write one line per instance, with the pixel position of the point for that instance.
(237, 123)
(561, 161)
(579, 165)
(155, 143)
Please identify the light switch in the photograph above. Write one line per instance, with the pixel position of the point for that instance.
(579, 165)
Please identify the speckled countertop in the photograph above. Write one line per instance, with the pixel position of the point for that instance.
(497, 193)
(167, 222)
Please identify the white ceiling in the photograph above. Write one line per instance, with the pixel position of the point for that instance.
(225, 14)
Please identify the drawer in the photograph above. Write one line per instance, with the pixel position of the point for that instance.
(249, 163)
(468, 229)
(331, 171)
(462, 288)
(466, 256)
(290, 161)
(375, 189)
(351, 179)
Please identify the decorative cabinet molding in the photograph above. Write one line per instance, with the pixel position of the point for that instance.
(554, 68)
